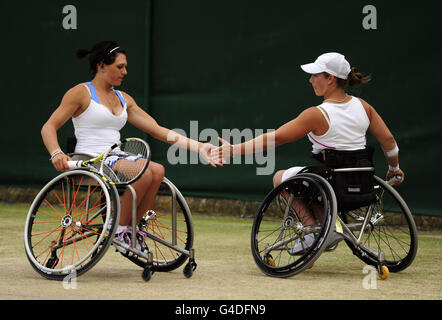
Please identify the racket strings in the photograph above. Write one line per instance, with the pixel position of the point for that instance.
(128, 162)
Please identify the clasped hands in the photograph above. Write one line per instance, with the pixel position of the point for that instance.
(216, 155)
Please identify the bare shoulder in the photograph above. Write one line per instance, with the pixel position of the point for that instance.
(78, 94)
(311, 113)
(311, 117)
(130, 102)
(126, 96)
(73, 103)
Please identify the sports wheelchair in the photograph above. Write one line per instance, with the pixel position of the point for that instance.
(72, 222)
(347, 200)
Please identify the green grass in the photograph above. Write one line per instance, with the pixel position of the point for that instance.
(226, 270)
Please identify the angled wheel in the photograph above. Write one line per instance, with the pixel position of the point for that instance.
(169, 227)
(279, 225)
(390, 232)
(70, 224)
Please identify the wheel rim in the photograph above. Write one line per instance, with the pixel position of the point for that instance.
(165, 258)
(65, 223)
(276, 226)
(391, 229)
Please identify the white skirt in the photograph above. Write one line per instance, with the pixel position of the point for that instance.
(291, 172)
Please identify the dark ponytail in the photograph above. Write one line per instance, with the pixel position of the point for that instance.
(355, 78)
(105, 51)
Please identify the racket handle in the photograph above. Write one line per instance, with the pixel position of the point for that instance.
(75, 164)
(395, 178)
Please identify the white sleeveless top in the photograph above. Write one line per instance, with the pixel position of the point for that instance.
(97, 129)
(348, 125)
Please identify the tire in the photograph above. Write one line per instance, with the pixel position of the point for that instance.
(277, 226)
(165, 258)
(70, 224)
(391, 230)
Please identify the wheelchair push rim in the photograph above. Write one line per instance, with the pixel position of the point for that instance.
(391, 232)
(276, 227)
(68, 228)
(169, 238)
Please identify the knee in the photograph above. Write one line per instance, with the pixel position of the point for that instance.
(277, 178)
(157, 170)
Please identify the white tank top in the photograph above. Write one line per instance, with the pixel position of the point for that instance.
(97, 129)
(348, 125)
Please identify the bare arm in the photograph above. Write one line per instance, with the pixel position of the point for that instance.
(386, 139)
(143, 121)
(72, 102)
(309, 120)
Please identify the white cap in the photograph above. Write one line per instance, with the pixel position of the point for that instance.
(332, 62)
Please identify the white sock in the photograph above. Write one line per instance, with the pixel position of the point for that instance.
(121, 228)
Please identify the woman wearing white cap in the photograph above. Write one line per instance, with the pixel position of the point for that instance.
(339, 123)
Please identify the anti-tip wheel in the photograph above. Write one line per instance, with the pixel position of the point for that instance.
(269, 260)
(383, 273)
(188, 269)
(147, 274)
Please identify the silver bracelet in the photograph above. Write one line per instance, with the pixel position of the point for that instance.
(55, 153)
(393, 169)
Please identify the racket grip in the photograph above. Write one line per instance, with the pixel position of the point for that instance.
(395, 178)
(75, 164)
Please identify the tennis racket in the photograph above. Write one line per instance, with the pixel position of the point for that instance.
(122, 164)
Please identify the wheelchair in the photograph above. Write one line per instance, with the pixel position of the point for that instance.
(346, 199)
(73, 219)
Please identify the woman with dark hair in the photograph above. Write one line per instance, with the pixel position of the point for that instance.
(339, 123)
(98, 113)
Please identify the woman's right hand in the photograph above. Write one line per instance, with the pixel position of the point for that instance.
(60, 162)
(223, 152)
(394, 174)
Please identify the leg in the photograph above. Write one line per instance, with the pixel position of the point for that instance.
(147, 200)
(306, 216)
(146, 187)
(175, 244)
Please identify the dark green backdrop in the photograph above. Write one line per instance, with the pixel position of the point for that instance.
(226, 64)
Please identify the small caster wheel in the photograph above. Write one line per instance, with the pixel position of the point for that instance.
(383, 273)
(189, 268)
(147, 274)
(269, 260)
(188, 272)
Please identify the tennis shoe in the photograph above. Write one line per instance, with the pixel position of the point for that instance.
(334, 240)
(302, 244)
(141, 237)
(124, 236)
